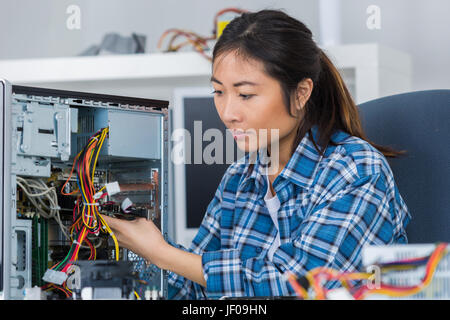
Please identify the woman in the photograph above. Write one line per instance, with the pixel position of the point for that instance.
(331, 193)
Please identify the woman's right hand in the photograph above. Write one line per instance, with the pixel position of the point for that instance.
(140, 236)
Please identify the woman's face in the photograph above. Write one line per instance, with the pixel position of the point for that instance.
(250, 103)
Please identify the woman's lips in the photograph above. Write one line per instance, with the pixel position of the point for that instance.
(239, 135)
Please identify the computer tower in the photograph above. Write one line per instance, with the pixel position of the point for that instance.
(43, 132)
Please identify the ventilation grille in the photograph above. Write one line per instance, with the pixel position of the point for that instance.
(86, 129)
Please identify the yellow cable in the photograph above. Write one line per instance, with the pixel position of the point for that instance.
(102, 139)
(296, 286)
(116, 244)
(83, 234)
(90, 210)
(342, 277)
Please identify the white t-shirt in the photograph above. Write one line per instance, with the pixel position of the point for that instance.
(273, 205)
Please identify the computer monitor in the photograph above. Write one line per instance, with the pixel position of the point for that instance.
(196, 179)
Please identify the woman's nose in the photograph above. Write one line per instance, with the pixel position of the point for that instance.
(231, 111)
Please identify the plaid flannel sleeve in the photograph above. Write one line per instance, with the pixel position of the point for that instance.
(331, 235)
(206, 239)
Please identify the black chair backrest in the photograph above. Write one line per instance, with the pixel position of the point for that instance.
(418, 122)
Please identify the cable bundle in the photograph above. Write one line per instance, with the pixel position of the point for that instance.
(317, 277)
(199, 43)
(43, 198)
(86, 217)
(431, 262)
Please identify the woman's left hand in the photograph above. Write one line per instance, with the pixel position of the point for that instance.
(140, 236)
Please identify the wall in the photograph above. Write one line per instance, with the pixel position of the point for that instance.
(40, 29)
(30, 28)
(420, 28)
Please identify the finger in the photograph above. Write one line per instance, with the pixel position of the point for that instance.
(113, 223)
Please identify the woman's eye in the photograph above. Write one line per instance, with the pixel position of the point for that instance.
(246, 96)
(243, 96)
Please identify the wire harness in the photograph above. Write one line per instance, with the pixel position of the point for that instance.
(86, 217)
(198, 42)
(318, 278)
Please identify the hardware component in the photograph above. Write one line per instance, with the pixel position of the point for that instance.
(103, 279)
(44, 132)
(438, 288)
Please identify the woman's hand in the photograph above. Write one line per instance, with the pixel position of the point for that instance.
(143, 238)
(140, 236)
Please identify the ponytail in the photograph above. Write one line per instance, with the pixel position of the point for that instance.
(334, 108)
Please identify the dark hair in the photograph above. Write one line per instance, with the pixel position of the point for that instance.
(289, 54)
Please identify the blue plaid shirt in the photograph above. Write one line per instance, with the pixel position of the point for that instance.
(331, 206)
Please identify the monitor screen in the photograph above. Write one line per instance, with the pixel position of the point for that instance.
(196, 180)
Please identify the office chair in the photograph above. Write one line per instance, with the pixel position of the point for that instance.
(418, 122)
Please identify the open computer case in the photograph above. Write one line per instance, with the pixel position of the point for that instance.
(44, 135)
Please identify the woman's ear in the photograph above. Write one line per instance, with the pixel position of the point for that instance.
(303, 92)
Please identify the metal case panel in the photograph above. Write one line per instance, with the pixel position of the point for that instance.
(5, 184)
(134, 134)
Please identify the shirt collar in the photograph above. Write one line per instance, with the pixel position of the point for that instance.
(302, 166)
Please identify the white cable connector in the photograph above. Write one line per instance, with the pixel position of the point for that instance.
(112, 188)
(56, 277)
(339, 294)
(126, 204)
(155, 294)
(98, 195)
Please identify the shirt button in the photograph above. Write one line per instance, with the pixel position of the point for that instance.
(258, 250)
